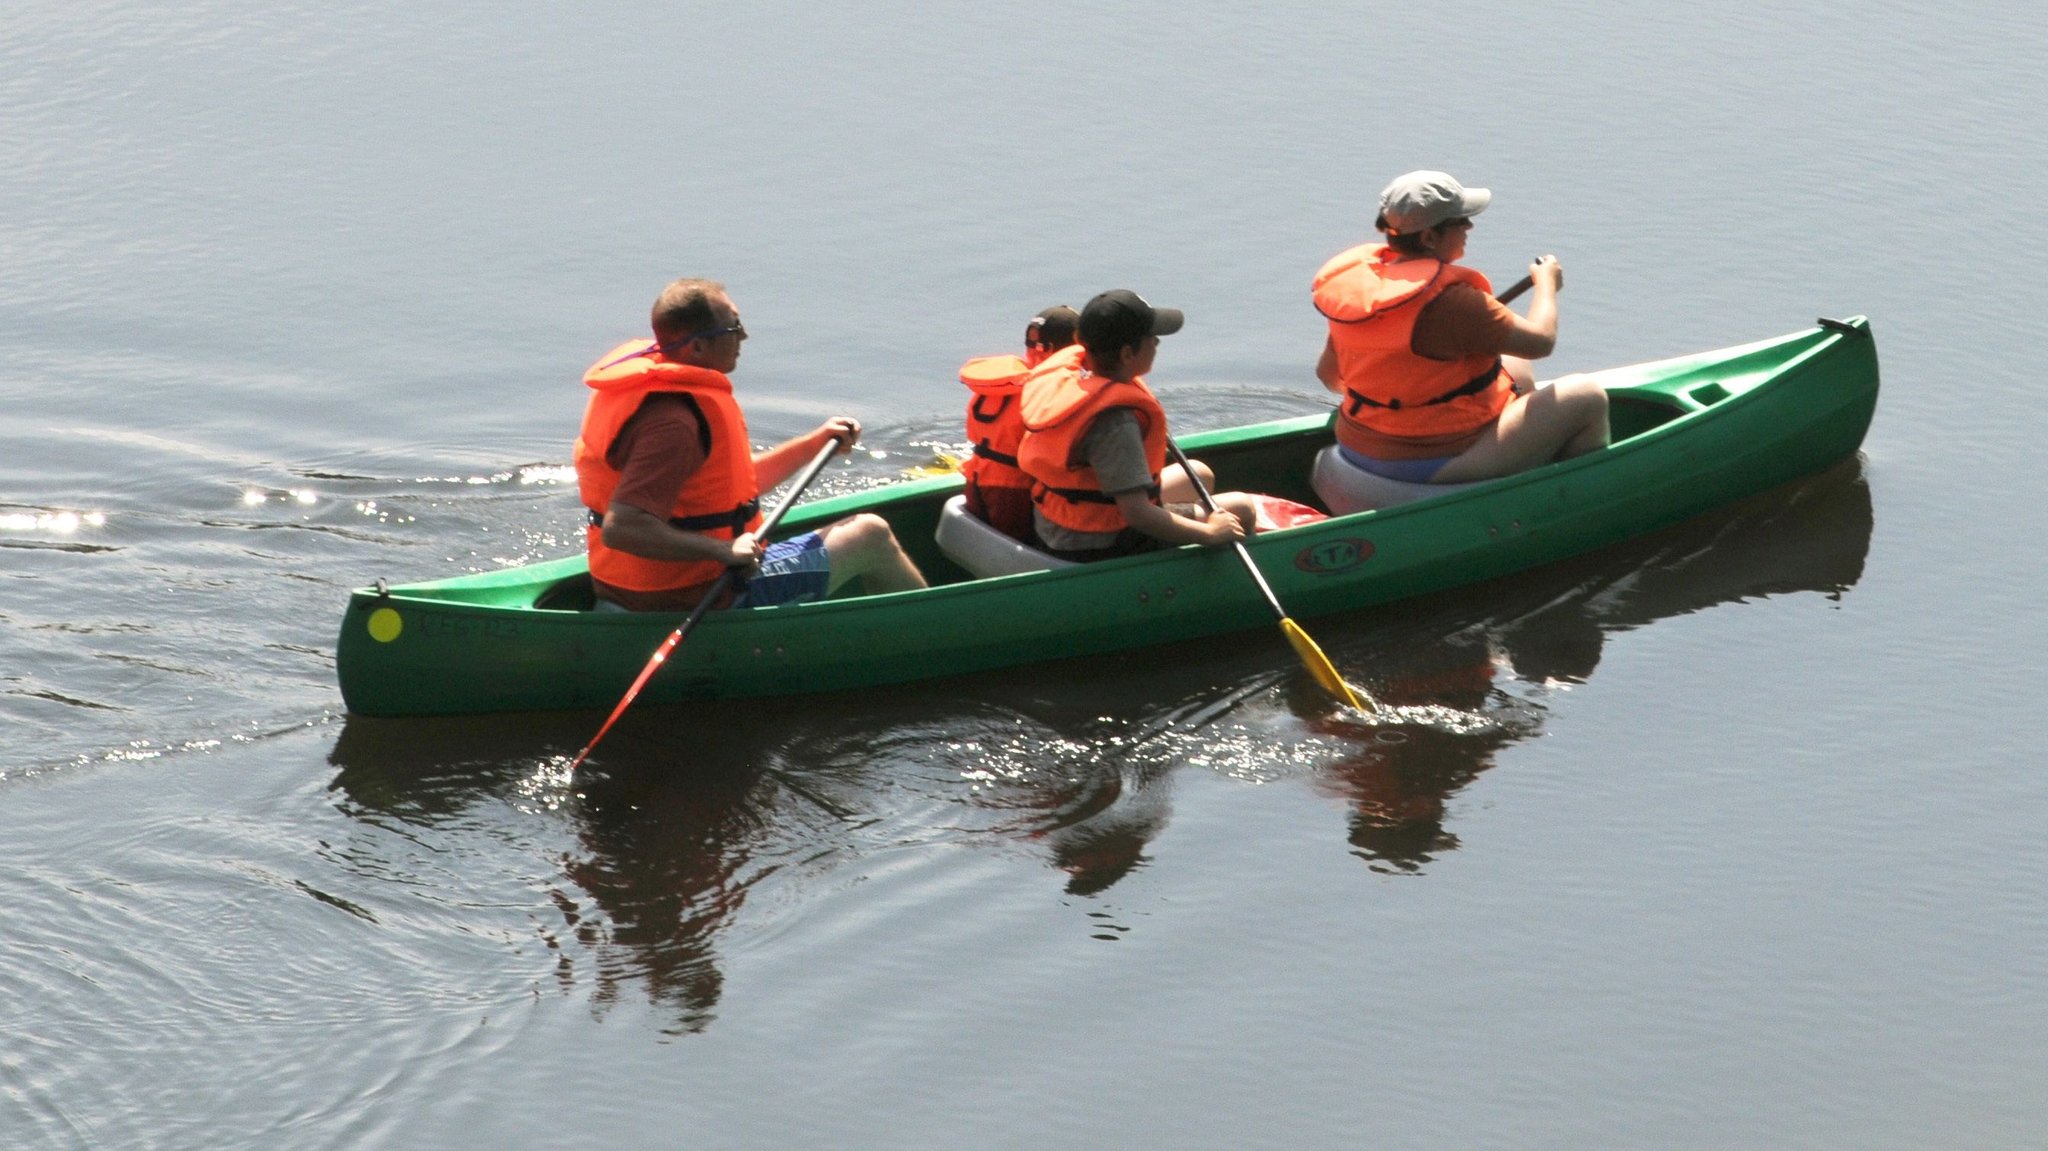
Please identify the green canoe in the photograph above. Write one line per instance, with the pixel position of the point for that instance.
(1689, 433)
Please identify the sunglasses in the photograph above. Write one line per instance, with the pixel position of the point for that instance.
(673, 347)
(1456, 222)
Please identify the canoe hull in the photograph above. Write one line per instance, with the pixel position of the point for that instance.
(1722, 426)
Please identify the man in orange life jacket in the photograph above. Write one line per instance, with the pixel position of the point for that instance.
(673, 484)
(1433, 372)
(996, 490)
(1095, 445)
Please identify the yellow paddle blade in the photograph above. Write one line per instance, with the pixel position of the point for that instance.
(943, 464)
(1319, 666)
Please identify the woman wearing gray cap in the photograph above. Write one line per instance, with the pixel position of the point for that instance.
(1434, 372)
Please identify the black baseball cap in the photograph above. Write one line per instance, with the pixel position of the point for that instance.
(1054, 325)
(1121, 317)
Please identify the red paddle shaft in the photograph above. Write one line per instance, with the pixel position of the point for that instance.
(716, 593)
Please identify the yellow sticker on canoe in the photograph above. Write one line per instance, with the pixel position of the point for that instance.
(385, 624)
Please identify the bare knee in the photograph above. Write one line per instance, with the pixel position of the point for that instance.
(1174, 485)
(1583, 404)
(1581, 393)
(860, 535)
(863, 545)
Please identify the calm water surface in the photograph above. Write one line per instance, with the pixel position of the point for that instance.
(1728, 836)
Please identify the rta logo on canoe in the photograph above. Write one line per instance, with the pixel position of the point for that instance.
(1333, 556)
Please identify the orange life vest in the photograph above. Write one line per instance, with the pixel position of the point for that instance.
(1060, 400)
(993, 424)
(1372, 296)
(721, 499)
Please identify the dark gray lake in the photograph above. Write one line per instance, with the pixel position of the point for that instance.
(1735, 835)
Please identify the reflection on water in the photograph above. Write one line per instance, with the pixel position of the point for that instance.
(693, 809)
(1545, 629)
(668, 861)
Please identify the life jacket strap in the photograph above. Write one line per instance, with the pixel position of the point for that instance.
(1471, 387)
(988, 453)
(986, 417)
(1088, 495)
(735, 520)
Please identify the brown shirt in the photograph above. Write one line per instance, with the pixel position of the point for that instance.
(1462, 321)
(659, 449)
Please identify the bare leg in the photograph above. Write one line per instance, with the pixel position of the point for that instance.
(1557, 421)
(1242, 505)
(864, 546)
(1174, 488)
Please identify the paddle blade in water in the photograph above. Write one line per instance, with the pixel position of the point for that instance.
(943, 464)
(1319, 666)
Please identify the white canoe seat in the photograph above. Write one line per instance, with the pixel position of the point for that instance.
(1345, 489)
(982, 549)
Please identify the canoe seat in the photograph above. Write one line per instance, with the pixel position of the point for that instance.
(983, 550)
(1344, 489)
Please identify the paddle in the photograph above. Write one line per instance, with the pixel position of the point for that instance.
(1312, 657)
(717, 592)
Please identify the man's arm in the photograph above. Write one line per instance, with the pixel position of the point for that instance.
(644, 534)
(776, 464)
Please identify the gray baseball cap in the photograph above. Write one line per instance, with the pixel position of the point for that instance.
(1425, 199)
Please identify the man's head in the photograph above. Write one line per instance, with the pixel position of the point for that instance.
(1121, 332)
(1048, 332)
(696, 323)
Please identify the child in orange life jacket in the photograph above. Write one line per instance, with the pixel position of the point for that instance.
(1095, 445)
(996, 490)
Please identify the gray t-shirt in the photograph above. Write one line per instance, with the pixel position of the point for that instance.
(1114, 447)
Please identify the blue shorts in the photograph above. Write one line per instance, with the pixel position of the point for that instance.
(1404, 471)
(795, 570)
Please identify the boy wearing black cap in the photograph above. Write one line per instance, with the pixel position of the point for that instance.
(1095, 445)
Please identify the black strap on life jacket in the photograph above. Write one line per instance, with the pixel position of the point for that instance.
(1002, 405)
(735, 520)
(988, 453)
(1086, 495)
(1471, 387)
